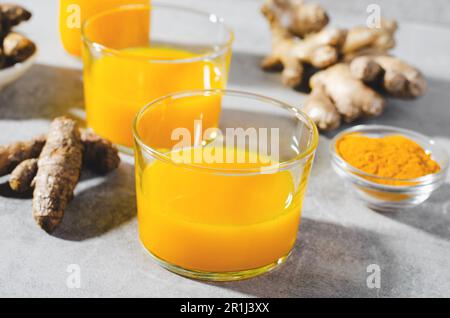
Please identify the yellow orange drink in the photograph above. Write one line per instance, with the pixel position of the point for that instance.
(138, 62)
(72, 14)
(215, 208)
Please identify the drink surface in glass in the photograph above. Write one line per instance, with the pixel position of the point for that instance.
(145, 57)
(221, 202)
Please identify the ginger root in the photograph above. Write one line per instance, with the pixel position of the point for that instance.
(365, 40)
(298, 17)
(320, 48)
(290, 53)
(59, 168)
(351, 66)
(322, 110)
(336, 93)
(22, 177)
(299, 38)
(395, 76)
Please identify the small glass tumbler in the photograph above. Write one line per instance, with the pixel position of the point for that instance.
(134, 54)
(72, 13)
(220, 197)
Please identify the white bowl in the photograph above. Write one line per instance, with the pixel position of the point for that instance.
(13, 73)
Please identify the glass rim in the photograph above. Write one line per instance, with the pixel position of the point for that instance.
(218, 50)
(283, 165)
(361, 175)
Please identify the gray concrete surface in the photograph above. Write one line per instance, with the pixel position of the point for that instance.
(338, 237)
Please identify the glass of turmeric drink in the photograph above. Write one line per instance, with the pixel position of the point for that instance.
(134, 54)
(222, 201)
(72, 14)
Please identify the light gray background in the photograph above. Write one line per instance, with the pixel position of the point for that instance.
(338, 237)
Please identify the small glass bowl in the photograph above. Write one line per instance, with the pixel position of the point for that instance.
(387, 194)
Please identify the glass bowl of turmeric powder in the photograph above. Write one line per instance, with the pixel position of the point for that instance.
(390, 168)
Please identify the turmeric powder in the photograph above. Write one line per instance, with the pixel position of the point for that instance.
(393, 157)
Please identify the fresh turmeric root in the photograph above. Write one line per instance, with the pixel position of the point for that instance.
(52, 165)
(12, 155)
(22, 177)
(100, 155)
(59, 168)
